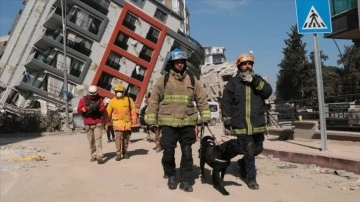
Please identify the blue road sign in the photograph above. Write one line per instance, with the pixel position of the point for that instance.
(313, 16)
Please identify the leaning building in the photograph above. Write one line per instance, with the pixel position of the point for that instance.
(107, 42)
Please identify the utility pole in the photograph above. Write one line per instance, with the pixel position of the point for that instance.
(65, 68)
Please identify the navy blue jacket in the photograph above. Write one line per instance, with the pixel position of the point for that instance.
(243, 105)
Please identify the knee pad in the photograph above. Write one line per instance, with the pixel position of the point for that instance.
(250, 149)
(186, 151)
(169, 153)
(258, 150)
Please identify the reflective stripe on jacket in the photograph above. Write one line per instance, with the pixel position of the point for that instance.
(243, 105)
(118, 111)
(174, 106)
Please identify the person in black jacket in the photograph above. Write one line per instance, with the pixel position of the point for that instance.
(243, 110)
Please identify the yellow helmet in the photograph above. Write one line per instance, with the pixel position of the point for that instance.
(119, 87)
(246, 57)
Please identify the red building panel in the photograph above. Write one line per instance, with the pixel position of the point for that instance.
(112, 47)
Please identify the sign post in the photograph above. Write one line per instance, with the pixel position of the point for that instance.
(313, 17)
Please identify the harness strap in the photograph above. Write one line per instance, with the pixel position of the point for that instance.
(202, 129)
(212, 134)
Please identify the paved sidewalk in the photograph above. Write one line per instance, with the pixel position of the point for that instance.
(340, 155)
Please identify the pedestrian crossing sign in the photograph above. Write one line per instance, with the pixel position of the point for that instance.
(313, 16)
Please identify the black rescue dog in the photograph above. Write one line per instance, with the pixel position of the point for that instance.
(218, 158)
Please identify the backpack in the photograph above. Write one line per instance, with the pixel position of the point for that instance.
(93, 106)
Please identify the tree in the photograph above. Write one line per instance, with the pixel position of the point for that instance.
(291, 77)
(351, 79)
(332, 82)
(332, 78)
(351, 57)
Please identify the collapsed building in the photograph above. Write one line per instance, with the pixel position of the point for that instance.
(216, 72)
(107, 42)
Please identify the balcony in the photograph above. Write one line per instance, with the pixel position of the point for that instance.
(52, 62)
(99, 7)
(75, 42)
(345, 25)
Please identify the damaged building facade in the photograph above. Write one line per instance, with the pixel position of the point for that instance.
(107, 42)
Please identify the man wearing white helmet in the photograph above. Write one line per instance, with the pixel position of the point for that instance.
(92, 107)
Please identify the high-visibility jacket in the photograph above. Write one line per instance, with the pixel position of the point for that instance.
(243, 105)
(121, 112)
(173, 104)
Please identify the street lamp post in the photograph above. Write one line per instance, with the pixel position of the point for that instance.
(65, 68)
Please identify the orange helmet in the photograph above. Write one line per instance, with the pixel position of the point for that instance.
(246, 57)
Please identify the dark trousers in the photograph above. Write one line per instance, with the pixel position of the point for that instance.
(110, 132)
(253, 147)
(169, 138)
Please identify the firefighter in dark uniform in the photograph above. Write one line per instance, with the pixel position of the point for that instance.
(243, 110)
(171, 107)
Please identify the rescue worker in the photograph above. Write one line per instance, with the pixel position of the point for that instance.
(121, 110)
(172, 110)
(92, 107)
(243, 110)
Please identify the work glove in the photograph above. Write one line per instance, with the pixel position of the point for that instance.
(227, 130)
(153, 128)
(227, 127)
(247, 76)
(204, 123)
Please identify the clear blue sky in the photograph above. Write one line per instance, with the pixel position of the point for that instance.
(8, 10)
(257, 25)
(237, 25)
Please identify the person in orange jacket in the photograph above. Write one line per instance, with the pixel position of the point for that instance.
(121, 110)
(92, 107)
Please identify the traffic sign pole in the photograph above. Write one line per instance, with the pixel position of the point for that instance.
(320, 91)
(313, 16)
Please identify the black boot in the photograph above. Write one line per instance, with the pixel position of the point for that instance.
(186, 186)
(252, 184)
(172, 182)
(126, 156)
(242, 169)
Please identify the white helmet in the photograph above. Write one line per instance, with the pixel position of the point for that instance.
(92, 90)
